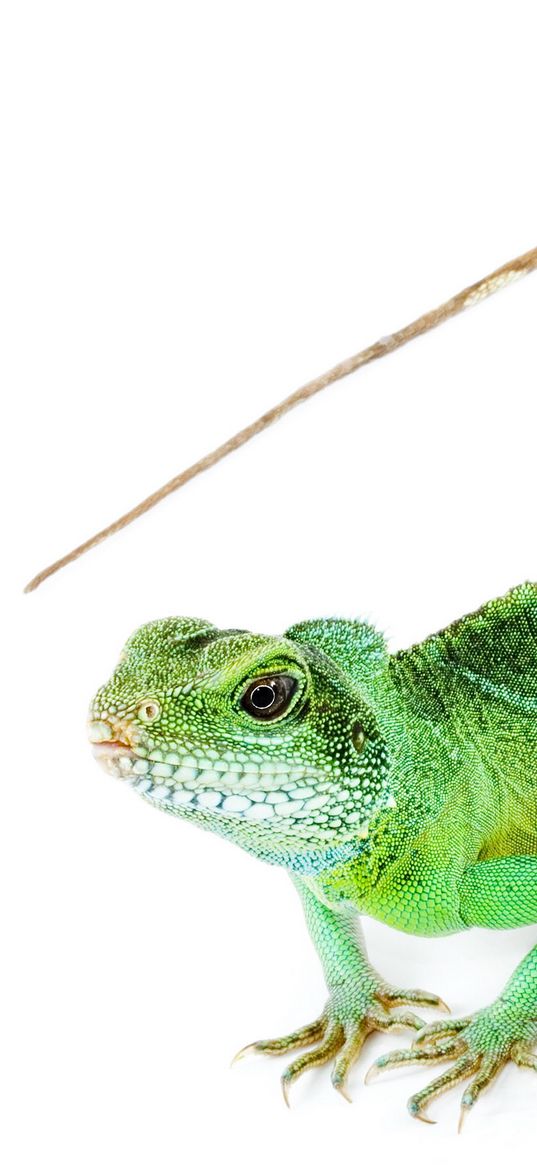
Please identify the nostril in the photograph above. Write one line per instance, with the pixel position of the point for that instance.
(148, 710)
(99, 731)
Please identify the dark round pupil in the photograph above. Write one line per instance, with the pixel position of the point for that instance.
(263, 696)
(269, 696)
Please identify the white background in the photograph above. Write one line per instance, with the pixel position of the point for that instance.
(203, 205)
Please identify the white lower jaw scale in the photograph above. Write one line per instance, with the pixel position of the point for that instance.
(222, 803)
(285, 795)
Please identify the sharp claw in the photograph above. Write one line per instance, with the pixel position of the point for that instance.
(340, 1087)
(465, 1109)
(419, 1113)
(420, 1116)
(372, 1073)
(286, 1084)
(443, 1006)
(247, 1050)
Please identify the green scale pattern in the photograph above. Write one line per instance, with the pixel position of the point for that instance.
(403, 787)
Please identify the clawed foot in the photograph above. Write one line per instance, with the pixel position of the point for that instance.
(481, 1045)
(350, 1015)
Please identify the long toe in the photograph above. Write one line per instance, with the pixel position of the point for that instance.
(441, 1029)
(404, 1058)
(344, 1061)
(331, 1043)
(460, 1070)
(391, 997)
(301, 1038)
(489, 1068)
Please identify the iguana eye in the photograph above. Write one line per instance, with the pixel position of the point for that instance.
(269, 696)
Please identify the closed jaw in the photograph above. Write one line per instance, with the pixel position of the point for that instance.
(245, 790)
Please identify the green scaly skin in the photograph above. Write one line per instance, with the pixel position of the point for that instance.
(400, 786)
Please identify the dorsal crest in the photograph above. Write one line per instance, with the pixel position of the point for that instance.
(356, 647)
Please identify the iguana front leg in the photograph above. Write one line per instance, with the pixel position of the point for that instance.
(500, 893)
(359, 999)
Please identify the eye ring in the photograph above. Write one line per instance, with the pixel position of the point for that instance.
(268, 697)
(148, 711)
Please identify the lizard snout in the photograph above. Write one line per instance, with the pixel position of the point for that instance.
(113, 742)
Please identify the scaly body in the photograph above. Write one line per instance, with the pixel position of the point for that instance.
(401, 786)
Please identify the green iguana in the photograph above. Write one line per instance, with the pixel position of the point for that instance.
(399, 786)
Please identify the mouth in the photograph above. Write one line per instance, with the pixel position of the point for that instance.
(112, 748)
(186, 784)
(115, 757)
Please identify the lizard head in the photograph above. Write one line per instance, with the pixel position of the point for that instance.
(265, 740)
